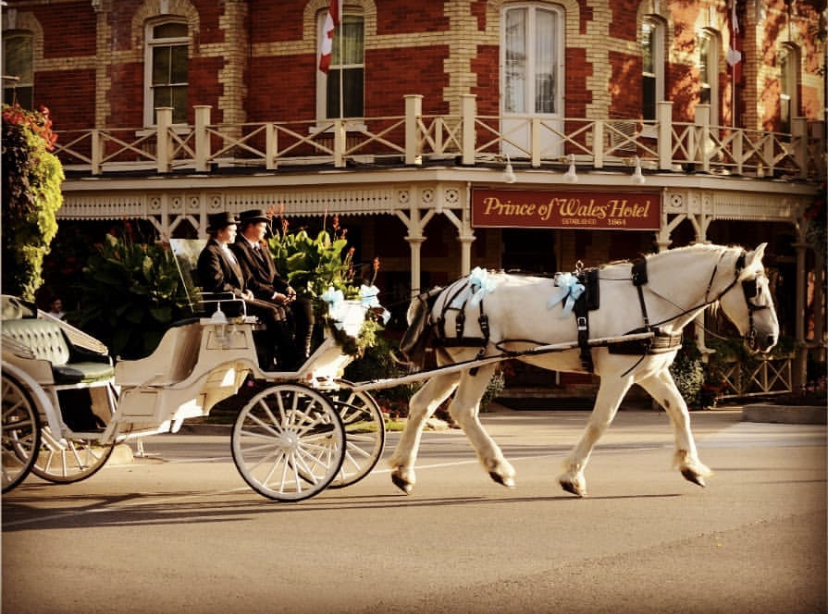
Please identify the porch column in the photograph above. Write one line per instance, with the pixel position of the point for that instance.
(163, 145)
(468, 111)
(664, 116)
(202, 137)
(800, 374)
(415, 242)
(466, 239)
(819, 324)
(703, 142)
(413, 113)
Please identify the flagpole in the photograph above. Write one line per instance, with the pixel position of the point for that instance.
(341, 27)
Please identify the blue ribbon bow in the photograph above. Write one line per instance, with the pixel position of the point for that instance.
(569, 288)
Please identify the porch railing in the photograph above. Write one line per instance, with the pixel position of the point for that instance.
(416, 139)
(767, 376)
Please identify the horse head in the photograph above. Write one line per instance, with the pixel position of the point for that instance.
(748, 302)
(418, 335)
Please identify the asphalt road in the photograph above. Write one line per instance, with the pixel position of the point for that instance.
(180, 532)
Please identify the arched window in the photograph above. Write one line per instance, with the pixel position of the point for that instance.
(709, 72)
(652, 76)
(345, 80)
(167, 64)
(18, 68)
(532, 77)
(788, 86)
(532, 53)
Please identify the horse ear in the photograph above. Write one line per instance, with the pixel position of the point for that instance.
(754, 258)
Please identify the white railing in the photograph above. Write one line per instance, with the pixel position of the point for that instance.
(414, 139)
(767, 376)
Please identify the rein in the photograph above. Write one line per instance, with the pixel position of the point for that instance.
(749, 287)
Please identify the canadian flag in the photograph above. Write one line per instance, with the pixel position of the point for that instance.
(331, 22)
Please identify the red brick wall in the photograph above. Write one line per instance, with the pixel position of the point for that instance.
(487, 67)
(283, 87)
(268, 25)
(626, 74)
(408, 17)
(74, 90)
(577, 94)
(391, 74)
(68, 30)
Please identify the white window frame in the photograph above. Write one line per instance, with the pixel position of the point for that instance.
(151, 43)
(559, 50)
(657, 30)
(712, 40)
(19, 83)
(789, 67)
(354, 122)
(515, 125)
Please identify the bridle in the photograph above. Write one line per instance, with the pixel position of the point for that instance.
(750, 290)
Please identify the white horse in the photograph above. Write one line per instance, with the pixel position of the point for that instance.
(523, 314)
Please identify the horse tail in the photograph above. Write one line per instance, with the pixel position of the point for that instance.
(419, 335)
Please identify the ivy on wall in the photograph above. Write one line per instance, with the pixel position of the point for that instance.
(32, 178)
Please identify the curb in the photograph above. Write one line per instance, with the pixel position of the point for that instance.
(784, 414)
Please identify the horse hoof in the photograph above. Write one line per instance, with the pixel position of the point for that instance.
(572, 488)
(505, 481)
(403, 485)
(692, 476)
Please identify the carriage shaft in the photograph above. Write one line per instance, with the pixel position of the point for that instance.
(469, 364)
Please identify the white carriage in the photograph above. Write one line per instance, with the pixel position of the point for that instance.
(65, 405)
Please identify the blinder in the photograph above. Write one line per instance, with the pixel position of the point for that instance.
(750, 290)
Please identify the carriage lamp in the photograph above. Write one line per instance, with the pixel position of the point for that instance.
(638, 176)
(509, 172)
(571, 176)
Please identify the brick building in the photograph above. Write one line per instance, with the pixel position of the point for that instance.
(709, 116)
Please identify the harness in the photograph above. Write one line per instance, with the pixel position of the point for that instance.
(588, 300)
(457, 302)
(663, 342)
(660, 342)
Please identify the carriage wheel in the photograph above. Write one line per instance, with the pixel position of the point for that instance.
(288, 442)
(69, 461)
(21, 432)
(364, 433)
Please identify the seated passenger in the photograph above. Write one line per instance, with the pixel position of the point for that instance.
(219, 272)
(262, 277)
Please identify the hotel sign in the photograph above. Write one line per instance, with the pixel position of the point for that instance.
(492, 208)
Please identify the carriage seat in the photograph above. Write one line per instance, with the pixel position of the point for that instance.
(171, 362)
(46, 341)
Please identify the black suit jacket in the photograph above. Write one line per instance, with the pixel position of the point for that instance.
(217, 273)
(260, 273)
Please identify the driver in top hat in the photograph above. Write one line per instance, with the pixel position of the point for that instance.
(262, 277)
(220, 272)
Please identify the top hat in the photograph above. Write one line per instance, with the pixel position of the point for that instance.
(252, 216)
(217, 221)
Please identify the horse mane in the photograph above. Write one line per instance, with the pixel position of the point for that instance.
(701, 248)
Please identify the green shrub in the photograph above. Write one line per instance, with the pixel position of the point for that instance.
(32, 178)
(130, 293)
(689, 374)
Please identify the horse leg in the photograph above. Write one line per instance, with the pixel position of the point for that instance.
(606, 406)
(421, 407)
(464, 409)
(663, 389)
